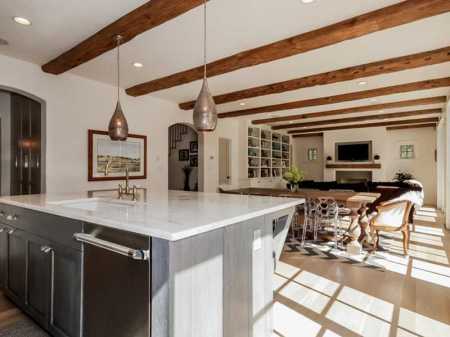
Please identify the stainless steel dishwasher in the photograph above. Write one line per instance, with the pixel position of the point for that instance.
(116, 279)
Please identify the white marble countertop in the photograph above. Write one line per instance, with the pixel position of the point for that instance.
(171, 216)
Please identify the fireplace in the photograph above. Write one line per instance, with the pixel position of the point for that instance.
(348, 177)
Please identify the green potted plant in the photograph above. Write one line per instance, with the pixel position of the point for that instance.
(401, 176)
(293, 176)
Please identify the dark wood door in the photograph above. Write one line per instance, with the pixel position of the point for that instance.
(25, 145)
(16, 265)
(65, 306)
(38, 279)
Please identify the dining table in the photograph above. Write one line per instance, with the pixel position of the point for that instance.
(356, 202)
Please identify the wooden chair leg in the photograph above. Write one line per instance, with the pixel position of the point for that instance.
(405, 233)
(373, 236)
(377, 240)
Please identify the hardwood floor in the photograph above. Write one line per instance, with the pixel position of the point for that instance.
(9, 314)
(318, 297)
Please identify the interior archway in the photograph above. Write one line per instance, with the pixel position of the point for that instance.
(183, 158)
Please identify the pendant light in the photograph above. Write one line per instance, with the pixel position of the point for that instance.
(118, 125)
(205, 111)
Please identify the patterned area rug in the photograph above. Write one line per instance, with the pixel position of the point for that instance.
(23, 328)
(388, 256)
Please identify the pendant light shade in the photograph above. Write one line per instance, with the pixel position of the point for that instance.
(118, 125)
(205, 111)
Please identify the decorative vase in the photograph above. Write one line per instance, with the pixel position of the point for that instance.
(186, 182)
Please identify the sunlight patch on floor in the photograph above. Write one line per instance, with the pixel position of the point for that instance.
(367, 303)
(422, 325)
(358, 321)
(428, 230)
(290, 323)
(286, 270)
(304, 296)
(278, 282)
(316, 282)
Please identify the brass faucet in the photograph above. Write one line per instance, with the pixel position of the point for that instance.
(108, 166)
(127, 190)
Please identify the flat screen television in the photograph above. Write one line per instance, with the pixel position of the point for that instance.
(354, 152)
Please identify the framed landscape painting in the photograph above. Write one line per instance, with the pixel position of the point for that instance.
(107, 159)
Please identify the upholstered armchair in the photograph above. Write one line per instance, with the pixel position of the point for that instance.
(391, 217)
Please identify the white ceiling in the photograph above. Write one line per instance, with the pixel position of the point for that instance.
(234, 26)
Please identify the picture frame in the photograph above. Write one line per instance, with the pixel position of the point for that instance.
(108, 159)
(193, 161)
(183, 155)
(193, 147)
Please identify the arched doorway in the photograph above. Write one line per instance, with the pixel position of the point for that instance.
(22, 143)
(183, 158)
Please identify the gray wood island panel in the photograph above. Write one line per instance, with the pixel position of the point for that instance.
(79, 278)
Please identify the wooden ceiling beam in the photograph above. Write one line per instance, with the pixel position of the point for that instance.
(357, 95)
(392, 16)
(404, 114)
(361, 71)
(318, 134)
(143, 18)
(365, 108)
(414, 126)
(369, 125)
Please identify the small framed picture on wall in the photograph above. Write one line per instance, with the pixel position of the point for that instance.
(193, 162)
(183, 155)
(193, 147)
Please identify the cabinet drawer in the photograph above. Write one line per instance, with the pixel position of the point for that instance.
(50, 227)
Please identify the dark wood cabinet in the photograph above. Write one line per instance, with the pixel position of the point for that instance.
(41, 273)
(2, 254)
(65, 313)
(16, 265)
(38, 279)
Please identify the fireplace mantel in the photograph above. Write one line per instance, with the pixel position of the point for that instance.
(354, 166)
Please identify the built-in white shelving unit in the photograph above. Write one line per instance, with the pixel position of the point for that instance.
(269, 153)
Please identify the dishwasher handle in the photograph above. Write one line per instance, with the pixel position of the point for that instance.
(135, 254)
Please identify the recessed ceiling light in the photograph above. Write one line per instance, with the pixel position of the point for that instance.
(307, 1)
(373, 99)
(291, 122)
(242, 104)
(137, 65)
(362, 82)
(22, 21)
(3, 42)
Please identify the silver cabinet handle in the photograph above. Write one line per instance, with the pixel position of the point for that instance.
(136, 254)
(11, 231)
(11, 217)
(46, 249)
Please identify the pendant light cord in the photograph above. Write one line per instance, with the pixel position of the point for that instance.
(118, 67)
(204, 40)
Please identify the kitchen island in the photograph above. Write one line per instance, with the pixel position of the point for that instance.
(180, 264)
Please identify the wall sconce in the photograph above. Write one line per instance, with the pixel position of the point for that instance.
(329, 158)
(376, 157)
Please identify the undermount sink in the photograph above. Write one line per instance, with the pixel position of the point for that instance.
(96, 204)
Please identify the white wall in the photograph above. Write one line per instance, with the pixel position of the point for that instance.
(387, 145)
(423, 167)
(74, 105)
(313, 169)
(378, 137)
(441, 163)
(447, 165)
